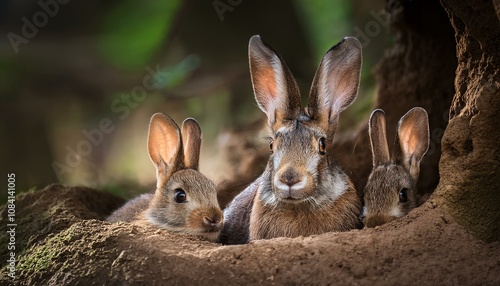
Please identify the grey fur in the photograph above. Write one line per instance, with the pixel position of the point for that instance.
(176, 162)
(398, 173)
(301, 192)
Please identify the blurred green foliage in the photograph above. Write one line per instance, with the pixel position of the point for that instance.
(60, 84)
(176, 75)
(8, 69)
(133, 31)
(326, 22)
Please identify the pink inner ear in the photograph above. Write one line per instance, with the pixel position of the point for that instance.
(266, 89)
(163, 142)
(268, 82)
(271, 88)
(409, 140)
(164, 150)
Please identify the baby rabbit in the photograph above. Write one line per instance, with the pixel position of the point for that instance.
(185, 201)
(391, 188)
(302, 191)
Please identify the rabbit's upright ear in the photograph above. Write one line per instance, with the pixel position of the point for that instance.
(275, 88)
(164, 144)
(191, 141)
(335, 85)
(378, 138)
(412, 140)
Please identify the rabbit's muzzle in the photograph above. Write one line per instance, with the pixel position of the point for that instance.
(292, 185)
(207, 219)
(377, 219)
(205, 222)
(213, 222)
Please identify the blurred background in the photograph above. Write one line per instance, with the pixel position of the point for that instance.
(79, 80)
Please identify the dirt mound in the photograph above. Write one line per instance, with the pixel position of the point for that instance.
(424, 248)
(51, 210)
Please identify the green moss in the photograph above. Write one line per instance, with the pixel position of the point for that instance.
(29, 226)
(39, 260)
(40, 257)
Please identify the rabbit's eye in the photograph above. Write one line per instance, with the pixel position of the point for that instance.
(180, 196)
(322, 146)
(403, 195)
(271, 146)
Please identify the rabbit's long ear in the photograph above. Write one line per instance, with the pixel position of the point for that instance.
(335, 85)
(164, 144)
(412, 140)
(378, 138)
(275, 88)
(191, 141)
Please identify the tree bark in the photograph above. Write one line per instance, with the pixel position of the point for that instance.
(470, 163)
(429, 67)
(418, 70)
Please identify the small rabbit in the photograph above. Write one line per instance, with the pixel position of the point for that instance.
(391, 188)
(185, 201)
(302, 191)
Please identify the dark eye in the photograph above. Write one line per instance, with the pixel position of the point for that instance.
(180, 196)
(403, 195)
(322, 146)
(271, 146)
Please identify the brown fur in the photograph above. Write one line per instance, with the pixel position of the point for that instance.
(175, 157)
(303, 220)
(301, 192)
(399, 172)
(382, 194)
(133, 211)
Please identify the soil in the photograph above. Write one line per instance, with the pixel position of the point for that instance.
(62, 240)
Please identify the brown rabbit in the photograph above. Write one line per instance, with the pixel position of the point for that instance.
(185, 201)
(391, 188)
(301, 192)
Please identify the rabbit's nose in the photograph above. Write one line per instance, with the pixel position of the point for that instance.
(208, 221)
(290, 178)
(213, 223)
(376, 220)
